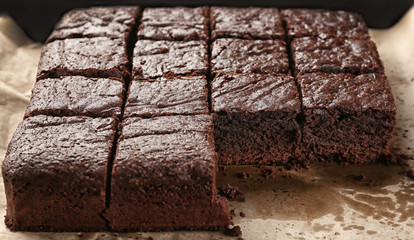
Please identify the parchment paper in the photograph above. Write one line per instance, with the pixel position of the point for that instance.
(327, 201)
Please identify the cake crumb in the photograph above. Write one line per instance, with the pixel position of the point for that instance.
(222, 168)
(244, 175)
(400, 159)
(232, 193)
(232, 212)
(267, 172)
(286, 176)
(234, 232)
(242, 214)
(360, 178)
(410, 174)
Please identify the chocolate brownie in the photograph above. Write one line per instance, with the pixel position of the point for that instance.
(55, 172)
(335, 55)
(158, 58)
(249, 56)
(167, 96)
(90, 57)
(254, 118)
(174, 23)
(347, 118)
(324, 24)
(112, 22)
(247, 23)
(163, 176)
(76, 96)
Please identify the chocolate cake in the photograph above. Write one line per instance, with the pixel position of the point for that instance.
(174, 23)
(335, 55)
(347, 118)
(153, 59)
(112, 22)
(167, 96)
(55, 171)
(90, 57)
(198, 97)
(246, 23)
(163, 177)
(323, 24)
(249, 56)
(255, 118)
(77, 96)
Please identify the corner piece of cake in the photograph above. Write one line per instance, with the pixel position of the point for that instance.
(113, 22)
(163, 176)
(55, 173)
(323, 24)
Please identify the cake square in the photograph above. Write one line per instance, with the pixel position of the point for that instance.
(55, 173)
(158, 58)
(347, 118)
(324, 24)
(246, 23)
(77, 96)
(90, 57)
(249, 56)
(167, 96)
(112, 22)
(174, 23)
(335, 55)
(255, 118)
(163, 176)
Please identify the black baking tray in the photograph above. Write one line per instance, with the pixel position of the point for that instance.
(37, 17)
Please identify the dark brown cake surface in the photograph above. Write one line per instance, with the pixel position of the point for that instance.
(255, 118)
(158, 157)
(76, 96)
(167, 96)
(158, 58)
(55, 173)
(174, 23)
(335, 55)
(249, 56)
(254, 92)
(168, 165)
(346, 117)
(247, 23)
(350, 92)
(324, 24)
(136, 126)
(113, 22)
(90, 57)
